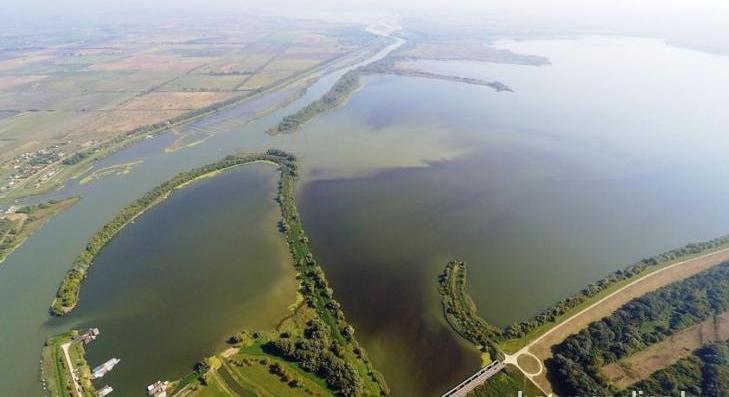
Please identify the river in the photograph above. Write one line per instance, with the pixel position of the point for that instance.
(600, 159)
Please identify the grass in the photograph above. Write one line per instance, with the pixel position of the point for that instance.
(248, 371)
(507, 383)
(55, 372)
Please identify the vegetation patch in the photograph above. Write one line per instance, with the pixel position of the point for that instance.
(507, 383)
(338, 94)
(315, 341)
(461, 312)
(643, 364)
(645, 321)
(117, 169)
(704, 373)
(66, 374)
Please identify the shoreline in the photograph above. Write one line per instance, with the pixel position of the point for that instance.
(314, 302)
(67, 296)
(126, 139)
(30, 226)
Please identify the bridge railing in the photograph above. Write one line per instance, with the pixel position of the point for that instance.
(489, 370)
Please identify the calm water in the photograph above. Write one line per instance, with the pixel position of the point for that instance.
(602, 158)
(594, 162)
(200, 266)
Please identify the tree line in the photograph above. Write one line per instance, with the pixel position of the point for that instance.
(551, 314)
(336, 95)
(642, 322)
(461, 312)
(705, 373)
(328, 347)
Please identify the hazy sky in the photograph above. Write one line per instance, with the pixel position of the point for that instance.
(682, 19)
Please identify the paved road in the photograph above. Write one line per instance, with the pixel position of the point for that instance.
(475, 380)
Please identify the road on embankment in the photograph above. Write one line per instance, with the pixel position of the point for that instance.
(541, 348)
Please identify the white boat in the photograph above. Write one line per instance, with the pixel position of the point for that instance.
(105, 391)
(102, 369)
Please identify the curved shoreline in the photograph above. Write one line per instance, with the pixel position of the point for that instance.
(361, 376)
(67, 295)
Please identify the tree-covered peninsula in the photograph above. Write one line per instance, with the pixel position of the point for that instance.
(315, 341)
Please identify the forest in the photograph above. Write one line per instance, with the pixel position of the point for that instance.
(574, 369)
(705, 373)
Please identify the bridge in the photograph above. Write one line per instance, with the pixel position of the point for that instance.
(475, 380)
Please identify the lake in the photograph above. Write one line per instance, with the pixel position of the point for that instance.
(602, 158)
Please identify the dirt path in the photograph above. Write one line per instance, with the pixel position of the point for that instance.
(69, 365)
(542, 346)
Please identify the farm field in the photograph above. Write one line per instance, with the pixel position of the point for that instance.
(67, 100)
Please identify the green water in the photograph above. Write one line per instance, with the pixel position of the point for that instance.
(200, 266)
(602, 158)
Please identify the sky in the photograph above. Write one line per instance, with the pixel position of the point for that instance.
(684, 20)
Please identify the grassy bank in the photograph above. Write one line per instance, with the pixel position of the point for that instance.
(57, 370)
(15, 228)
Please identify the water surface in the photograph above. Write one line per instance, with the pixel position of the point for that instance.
(602, 158)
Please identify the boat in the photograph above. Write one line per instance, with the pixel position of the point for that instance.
(102, 369)
(105, 391)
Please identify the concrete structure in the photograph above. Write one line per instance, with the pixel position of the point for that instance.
(475, 380)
